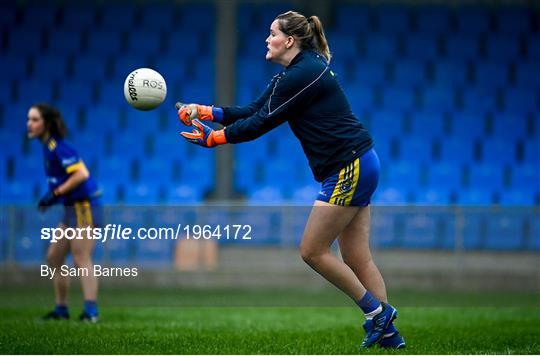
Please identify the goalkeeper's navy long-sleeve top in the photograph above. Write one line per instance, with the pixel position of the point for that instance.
(307, 95)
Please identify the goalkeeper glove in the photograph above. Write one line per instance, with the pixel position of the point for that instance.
(189, 112)
(49, 199)
(203, 135)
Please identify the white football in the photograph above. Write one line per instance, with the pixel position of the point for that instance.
(145, 89)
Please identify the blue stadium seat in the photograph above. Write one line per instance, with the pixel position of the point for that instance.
(201, 167)
(252, 45)
(510, 126)
(184, 194)
(433, 19)
(526, 178)
(386, 124)
(488, 176)
(104, 42)
(344, 46)
(207, 12)
(77, 16)
(392, 18)
(422, 46)
(6, 93)
(462, 47)
(479, 100)
(521, 101)
(505, 232)
(353, 18)
(137, 120)
(531, 149)
(17, 64)
(370, 72)
(199, 92)
(475, 196)
(409, 73)
(118, 16)
(451, 73)
(306, 194)
(50, 67)
(141, 194)
(432, 196)
(8, 14)
(114, 169)
(533, 47)
(399, 98)
(64, 42)
(31, 91)
(360, 97)
(438, 98)
(457, 149)
(266, 195)
(79, 93)
(29, 168)
(403, 174)
(169, 67)
(491, 74)
(125, 64)
(514, 20)
(155, 253)
(528, 75)
(253, 71)
(389, 196)
(90, 145)
(111, 94)
(90, 67)
(380, 46)
(473, 20)
(499, 149)
(161, 17)
(101, 119)
(19, 192)
(418, 146)
(144, 41)
(503, 48)
(156, 171)
(202, 70)
(39, 16)
(468, 126)
(24, 41)
(444, 176)
(428, 124)
(517, 197)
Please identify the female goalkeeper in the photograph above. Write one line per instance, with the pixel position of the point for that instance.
(70, 184)
(340, 151)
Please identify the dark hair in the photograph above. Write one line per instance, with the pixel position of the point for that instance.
(309, 31)
(53, 120)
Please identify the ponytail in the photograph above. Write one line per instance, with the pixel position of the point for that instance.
(308, 31)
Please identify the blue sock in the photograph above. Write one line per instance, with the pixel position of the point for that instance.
(61, 309)
(90, 307)
(368, 303)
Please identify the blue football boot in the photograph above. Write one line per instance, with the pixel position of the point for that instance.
(375, 327)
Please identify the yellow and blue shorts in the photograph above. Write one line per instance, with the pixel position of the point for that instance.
(83, 213)
(354, 184)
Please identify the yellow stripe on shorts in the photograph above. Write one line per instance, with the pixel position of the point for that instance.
(347, 176)
(83, 213)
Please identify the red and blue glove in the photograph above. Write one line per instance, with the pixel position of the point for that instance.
(48, 200)
(203, 135)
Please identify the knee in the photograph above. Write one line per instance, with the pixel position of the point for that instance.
(54, 259)
(310, 254)
(82, 259)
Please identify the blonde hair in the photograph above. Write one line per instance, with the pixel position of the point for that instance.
(309, 31)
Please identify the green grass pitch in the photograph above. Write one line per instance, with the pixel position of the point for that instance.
(228, 321)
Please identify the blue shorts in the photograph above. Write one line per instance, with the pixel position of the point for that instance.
(354, 184)
(83, 213)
